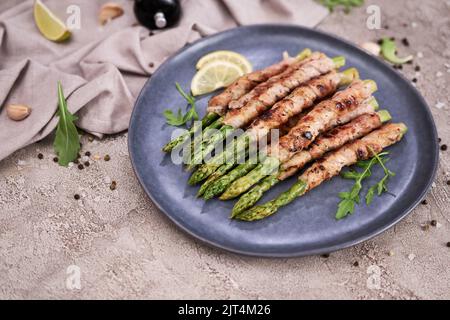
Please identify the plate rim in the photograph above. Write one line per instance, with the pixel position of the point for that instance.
(297, 253)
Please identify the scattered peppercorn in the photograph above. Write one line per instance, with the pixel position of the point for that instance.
(409, 62)
(424, 201)
(87, 164)
(417, 68)
(392, 38)
(107, 157)
(380, 41)
(356, 264)
(448, 182)
(151, 64)
(448, 244)
(433, 223)
(113, 185)
(405, 42)
(87, 154)
(55, 159)
(76, 197)
(414, 80)
(76, 161)
(439, 140)
(40, 156)
(444, 147)
(326, 255)
(80, 166)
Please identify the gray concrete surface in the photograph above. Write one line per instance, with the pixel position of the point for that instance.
(125, 248)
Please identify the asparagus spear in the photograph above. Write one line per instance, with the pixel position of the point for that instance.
(218, 105)
(222, 183)
(300, 99)
(330, 166)
(274, 90)
(323, 117)
(328, 142)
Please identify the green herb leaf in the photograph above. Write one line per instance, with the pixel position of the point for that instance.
(67, 141)
(345, 207)
(389, 52)
(347, 4)
(179, 119)
(370, 194)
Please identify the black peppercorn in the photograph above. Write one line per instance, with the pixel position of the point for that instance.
(87, 153)
(414, 80)
(151, 64)
(40, 156)
(76, 197)
(107, 157)
(113, 185)
(87, 164)
(55, 159)
(405, 42)
(448, 244)
(417, 68)
(326, 255)
(80, 166)
(424, 201)
(448, 182)
(356, 264)
(439, 140)
(433, 223)
(444, 147)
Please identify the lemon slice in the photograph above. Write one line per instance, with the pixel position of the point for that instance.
(49, 25)
(225, 55)
(215, 75)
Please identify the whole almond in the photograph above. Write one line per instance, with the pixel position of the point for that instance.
(109, 11)
(17, 112)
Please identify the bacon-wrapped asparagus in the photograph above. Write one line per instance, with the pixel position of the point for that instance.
(218, 105)
(321, 118)
(329, 167)
(312, 67)
(327, 142)
(300, 99)
(237, 186)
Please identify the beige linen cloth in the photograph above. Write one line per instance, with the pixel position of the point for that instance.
(103, 68)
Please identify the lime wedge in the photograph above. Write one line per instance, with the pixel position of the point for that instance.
(48, 24)
(225, 55)
(215, 75)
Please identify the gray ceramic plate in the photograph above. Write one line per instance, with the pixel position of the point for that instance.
(307, 226)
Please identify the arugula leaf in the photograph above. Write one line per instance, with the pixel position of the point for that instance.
(347, 4)
(370, 194)
(380, 186)
(349, 199)
(179, 119)
(67, 141)
(389, 52)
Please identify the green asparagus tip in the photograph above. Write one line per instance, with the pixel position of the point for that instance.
(374, 103)
(384, 115)
(339, 61)
(305, 53)
(371, 84)
(404, 128)
(348, 76)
